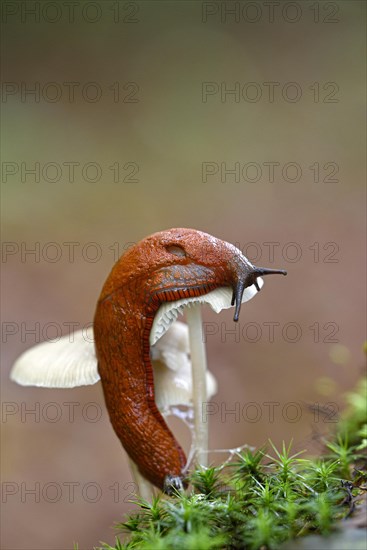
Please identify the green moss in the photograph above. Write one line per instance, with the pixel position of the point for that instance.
(262, 499)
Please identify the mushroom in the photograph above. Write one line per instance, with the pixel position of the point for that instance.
(146, 290)
(71, 361)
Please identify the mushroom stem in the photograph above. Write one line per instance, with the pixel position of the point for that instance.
(144, 487)
(199, 367)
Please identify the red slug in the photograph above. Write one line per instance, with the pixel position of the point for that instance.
(164, 267)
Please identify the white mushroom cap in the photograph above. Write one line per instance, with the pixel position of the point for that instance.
(65, 363)
(173, 385)
(217, 299)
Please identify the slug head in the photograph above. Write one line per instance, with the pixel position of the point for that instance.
(186, 259)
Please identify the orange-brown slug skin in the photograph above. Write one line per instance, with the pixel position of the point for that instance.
(166, 266)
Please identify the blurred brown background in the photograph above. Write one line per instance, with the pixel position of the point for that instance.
(150, 82)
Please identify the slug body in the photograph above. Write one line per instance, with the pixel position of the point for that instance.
(165, 267)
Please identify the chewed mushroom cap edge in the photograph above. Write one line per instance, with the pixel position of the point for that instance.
(218, 299)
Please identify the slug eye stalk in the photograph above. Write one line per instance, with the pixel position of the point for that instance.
(249, 279)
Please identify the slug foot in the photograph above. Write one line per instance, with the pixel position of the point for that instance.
(172, 485)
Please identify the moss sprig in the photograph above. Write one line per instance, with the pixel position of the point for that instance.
(262, 498)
